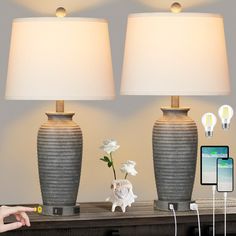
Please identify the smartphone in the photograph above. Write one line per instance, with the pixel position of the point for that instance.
(225, 175)
(209, 155)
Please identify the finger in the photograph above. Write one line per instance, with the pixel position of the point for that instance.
(13, 210)
(25, 209)
(19, 218)
(23, 222)
(25, 218)
(12, 226)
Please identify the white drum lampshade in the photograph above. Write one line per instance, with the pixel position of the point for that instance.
(175, 54)
(60, 59)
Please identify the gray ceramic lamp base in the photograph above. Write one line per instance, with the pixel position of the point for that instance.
(61, 210)
(59, 161)
(179, 206)
(175, 142)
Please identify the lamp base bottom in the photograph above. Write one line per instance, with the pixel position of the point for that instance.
(60, 210)
(180, 206)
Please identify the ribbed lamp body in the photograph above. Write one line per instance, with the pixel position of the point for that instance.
(59, 159)
(175, 142)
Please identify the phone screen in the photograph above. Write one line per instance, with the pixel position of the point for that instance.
(209, 156)
(225, 175)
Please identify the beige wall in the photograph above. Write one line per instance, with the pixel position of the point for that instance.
(127, 119)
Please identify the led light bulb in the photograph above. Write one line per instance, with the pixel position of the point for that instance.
(226, 113)
(209, 121)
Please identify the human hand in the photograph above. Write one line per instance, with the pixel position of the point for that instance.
(19, 212)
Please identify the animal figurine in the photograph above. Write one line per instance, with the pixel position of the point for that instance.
(122, 194)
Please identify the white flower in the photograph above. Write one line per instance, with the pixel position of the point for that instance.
(129, 168)
(109, 146)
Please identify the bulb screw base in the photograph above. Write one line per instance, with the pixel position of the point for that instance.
(225, 126)
(209, 134)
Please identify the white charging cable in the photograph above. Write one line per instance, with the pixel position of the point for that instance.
(194, 207)
(225, 211)
(171, 206)
(213, 207)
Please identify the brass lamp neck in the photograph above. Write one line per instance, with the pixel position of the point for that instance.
(175, 101)
(60, 106)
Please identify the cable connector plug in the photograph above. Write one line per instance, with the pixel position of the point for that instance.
(214, 189)
(173, 206)
(225, 195)
(194, 206)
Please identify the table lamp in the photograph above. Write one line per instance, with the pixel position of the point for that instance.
(174, 54)
(60, 58)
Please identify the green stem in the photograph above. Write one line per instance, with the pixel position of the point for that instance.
(126, 175)
(113, 168)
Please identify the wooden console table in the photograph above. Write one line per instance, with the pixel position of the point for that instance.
(141, 219)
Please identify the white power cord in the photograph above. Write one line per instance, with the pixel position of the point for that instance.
(194, 207)
(213, 207)
(225, 211)
(171, 206)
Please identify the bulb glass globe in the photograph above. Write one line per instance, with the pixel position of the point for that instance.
(226, 113)
(209, 121)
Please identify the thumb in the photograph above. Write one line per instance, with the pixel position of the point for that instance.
(8, 227)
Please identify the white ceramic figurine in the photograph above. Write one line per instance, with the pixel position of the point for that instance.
(122, 194)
